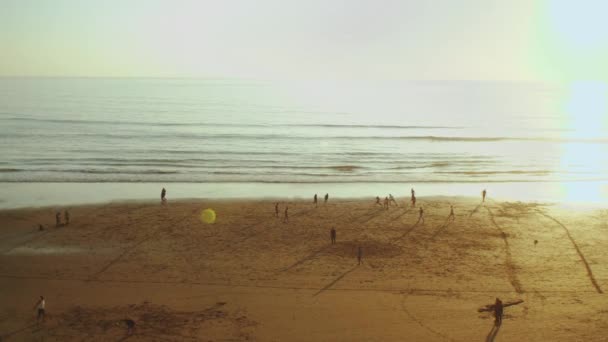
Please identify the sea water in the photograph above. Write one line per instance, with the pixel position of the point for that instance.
(246, 138)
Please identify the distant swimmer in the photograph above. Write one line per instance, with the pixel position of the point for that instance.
(498, 309)
(359, 255)
(163, 193)
(286, 215)
(421, 217)
(315, 200)
(378, 201)
(66, 214)
(40, 306)
(326, 197)
(392, 199)
(483, 195)
(452, 216)
(386, 203)
(276, 209)
(58, 219)
(332, 235)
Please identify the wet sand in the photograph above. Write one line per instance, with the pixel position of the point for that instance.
(250, 276)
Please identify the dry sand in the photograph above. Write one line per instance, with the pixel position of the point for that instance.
(250, 276)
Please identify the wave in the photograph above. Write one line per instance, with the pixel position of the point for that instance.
(213, 124)
(244, 137)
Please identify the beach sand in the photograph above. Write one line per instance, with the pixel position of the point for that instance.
(249, 276)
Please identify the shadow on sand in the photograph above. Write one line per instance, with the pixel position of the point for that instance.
(328, 286)
(492, 334)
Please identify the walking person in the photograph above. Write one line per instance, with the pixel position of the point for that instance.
(498, 309)
(483, 195)
(414, 201)
(332, 234)
(326, 198)
(378, 201)
(315, 200)
(66, 214)
(276, 209)
(40, 306)
(286, 215)
(452, 216)
(359, 255)
(386, 203)
(163, 194)
(58, 219)
(421, 217)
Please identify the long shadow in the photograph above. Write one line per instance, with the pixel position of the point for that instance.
(512, 275)
(407, 232)
(493, 332)
(328, 286)
(441, 229)
(15, 332)
(135, 245)
(405, 211)
(305, 259)
(578, 251)
(474, 211)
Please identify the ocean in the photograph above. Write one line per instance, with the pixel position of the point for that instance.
(225, 132)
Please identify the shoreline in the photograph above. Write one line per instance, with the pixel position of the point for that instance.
(39, 195)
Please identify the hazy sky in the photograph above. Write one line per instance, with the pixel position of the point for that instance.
(312, 39)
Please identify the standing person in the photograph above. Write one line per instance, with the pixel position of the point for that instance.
(483, 195)
(326, 198)
(421, 217)
(40, 305)
(498, 307)
(413, 192)
(286, 215)
(276, 209)
(66, 214)
(452, 216)
(58, 219)
(315, 200)
(163, 193)
(359, 255)
(332, 234)
(386, 203)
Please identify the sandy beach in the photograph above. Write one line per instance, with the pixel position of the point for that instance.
(249, 276)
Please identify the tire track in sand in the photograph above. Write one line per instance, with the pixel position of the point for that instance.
(511, 274)
(578, 251)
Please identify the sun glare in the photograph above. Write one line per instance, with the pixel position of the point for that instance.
(584, 152)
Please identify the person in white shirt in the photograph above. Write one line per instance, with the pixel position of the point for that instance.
(40, 305)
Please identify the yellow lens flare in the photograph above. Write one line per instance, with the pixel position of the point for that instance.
(208, 216)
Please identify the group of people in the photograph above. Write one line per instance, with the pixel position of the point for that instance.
(66, 216)
(314, 200)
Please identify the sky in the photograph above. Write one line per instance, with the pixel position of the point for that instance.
(529, 40)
